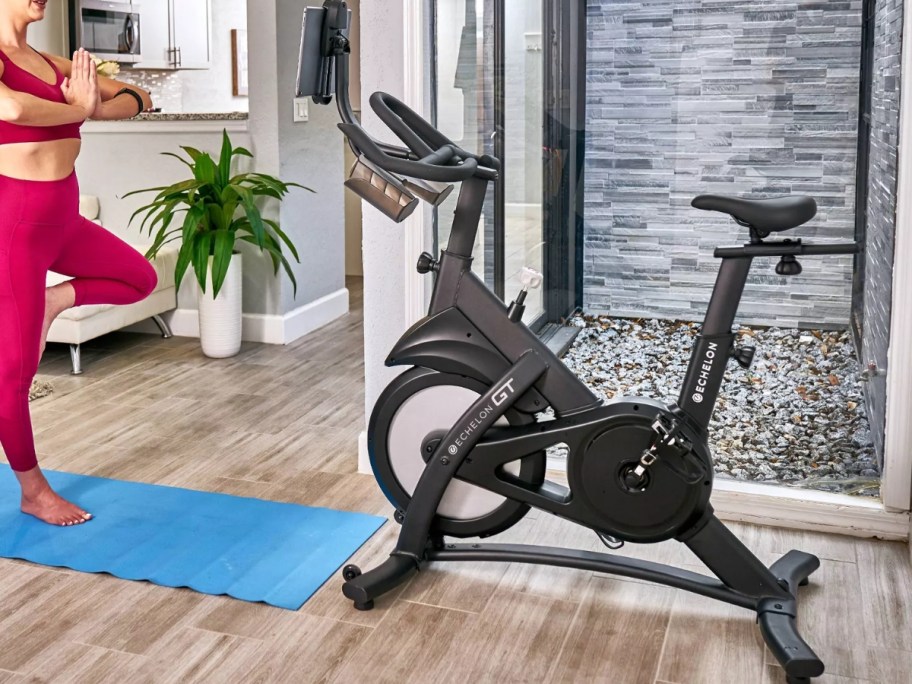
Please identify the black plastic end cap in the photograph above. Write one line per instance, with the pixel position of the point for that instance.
(788, 266)
(426, 263)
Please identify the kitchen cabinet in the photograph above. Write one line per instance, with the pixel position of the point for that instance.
(175, 34)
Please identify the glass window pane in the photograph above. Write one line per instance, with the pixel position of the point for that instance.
(465, 104)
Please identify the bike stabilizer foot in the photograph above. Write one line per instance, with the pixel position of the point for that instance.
(364, 588)
(777, 619)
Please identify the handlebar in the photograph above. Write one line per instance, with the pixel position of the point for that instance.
(428, 155)
(432, 167)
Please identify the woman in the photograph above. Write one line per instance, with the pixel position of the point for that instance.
(43, 101)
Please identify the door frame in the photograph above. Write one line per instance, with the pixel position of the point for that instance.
(897, 480)
(862, 175)
(562, 211)
(416, 90)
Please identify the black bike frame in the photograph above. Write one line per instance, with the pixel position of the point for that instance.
(456, 286)
(469, 330)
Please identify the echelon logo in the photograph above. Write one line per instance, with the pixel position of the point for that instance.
(501, 394)
(709, 358)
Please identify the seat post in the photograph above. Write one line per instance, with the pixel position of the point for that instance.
(726, 296)
(713, 345)
(465, 220)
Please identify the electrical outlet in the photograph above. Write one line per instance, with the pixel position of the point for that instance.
(301, 109)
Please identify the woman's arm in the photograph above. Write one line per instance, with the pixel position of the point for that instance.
(28, 110)
(112, 107)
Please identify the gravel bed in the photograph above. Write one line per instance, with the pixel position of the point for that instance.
(795, 417)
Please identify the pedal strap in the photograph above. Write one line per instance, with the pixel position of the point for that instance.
(674, 450)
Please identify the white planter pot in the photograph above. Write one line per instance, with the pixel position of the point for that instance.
(220, 318)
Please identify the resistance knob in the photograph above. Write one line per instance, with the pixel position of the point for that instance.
(788, 266)
(426, 263)
(744, 356)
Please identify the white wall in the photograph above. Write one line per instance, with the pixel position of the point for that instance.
(264, 112)
(310, 153)
(211, 90)
(113, 164)
(353, 215)
(382, 68)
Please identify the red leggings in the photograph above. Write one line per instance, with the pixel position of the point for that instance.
(40, 231)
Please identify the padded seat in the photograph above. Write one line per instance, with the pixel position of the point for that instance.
(766, 215)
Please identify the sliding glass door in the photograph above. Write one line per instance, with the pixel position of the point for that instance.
(464, 75)
(499, 89)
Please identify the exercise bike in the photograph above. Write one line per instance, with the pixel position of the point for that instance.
(456, 442)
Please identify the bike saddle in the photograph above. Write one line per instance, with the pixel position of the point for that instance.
(766, 215)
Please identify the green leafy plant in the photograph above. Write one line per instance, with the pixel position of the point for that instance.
(218, 209)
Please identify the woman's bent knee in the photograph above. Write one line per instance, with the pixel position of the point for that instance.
(148, 280)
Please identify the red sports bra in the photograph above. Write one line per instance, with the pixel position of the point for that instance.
(17, 78)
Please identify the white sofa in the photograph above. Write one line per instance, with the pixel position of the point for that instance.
(84, 323)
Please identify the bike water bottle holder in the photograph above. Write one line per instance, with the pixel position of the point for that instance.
(381, 189)
(429, 191)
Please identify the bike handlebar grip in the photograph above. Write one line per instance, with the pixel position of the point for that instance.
(489, 161)
(441, 157)
(409, 126)
(395, 150)
(415, 169)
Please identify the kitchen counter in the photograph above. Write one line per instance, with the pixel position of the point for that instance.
(170, 116)
(172, 122)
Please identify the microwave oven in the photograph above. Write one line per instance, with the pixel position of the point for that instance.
(109, 29)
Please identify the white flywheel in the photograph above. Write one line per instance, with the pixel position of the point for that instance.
(436, 409)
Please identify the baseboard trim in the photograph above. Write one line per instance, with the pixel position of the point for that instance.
(307, 318)
(805, 509)
(272, 329)
(797, 509)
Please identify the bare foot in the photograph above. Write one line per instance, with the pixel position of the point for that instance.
(53, 509)
(57, 299)
(39, 500)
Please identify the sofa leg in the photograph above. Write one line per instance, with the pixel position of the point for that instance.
(76, 359)
(165, 330)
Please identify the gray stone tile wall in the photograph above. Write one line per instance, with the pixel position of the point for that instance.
(752, 98)
(881, 209)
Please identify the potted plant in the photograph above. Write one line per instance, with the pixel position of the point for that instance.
(218, 209)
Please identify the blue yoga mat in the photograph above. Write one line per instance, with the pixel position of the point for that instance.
(251, 549)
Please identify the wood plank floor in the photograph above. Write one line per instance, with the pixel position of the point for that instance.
(281, 423)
